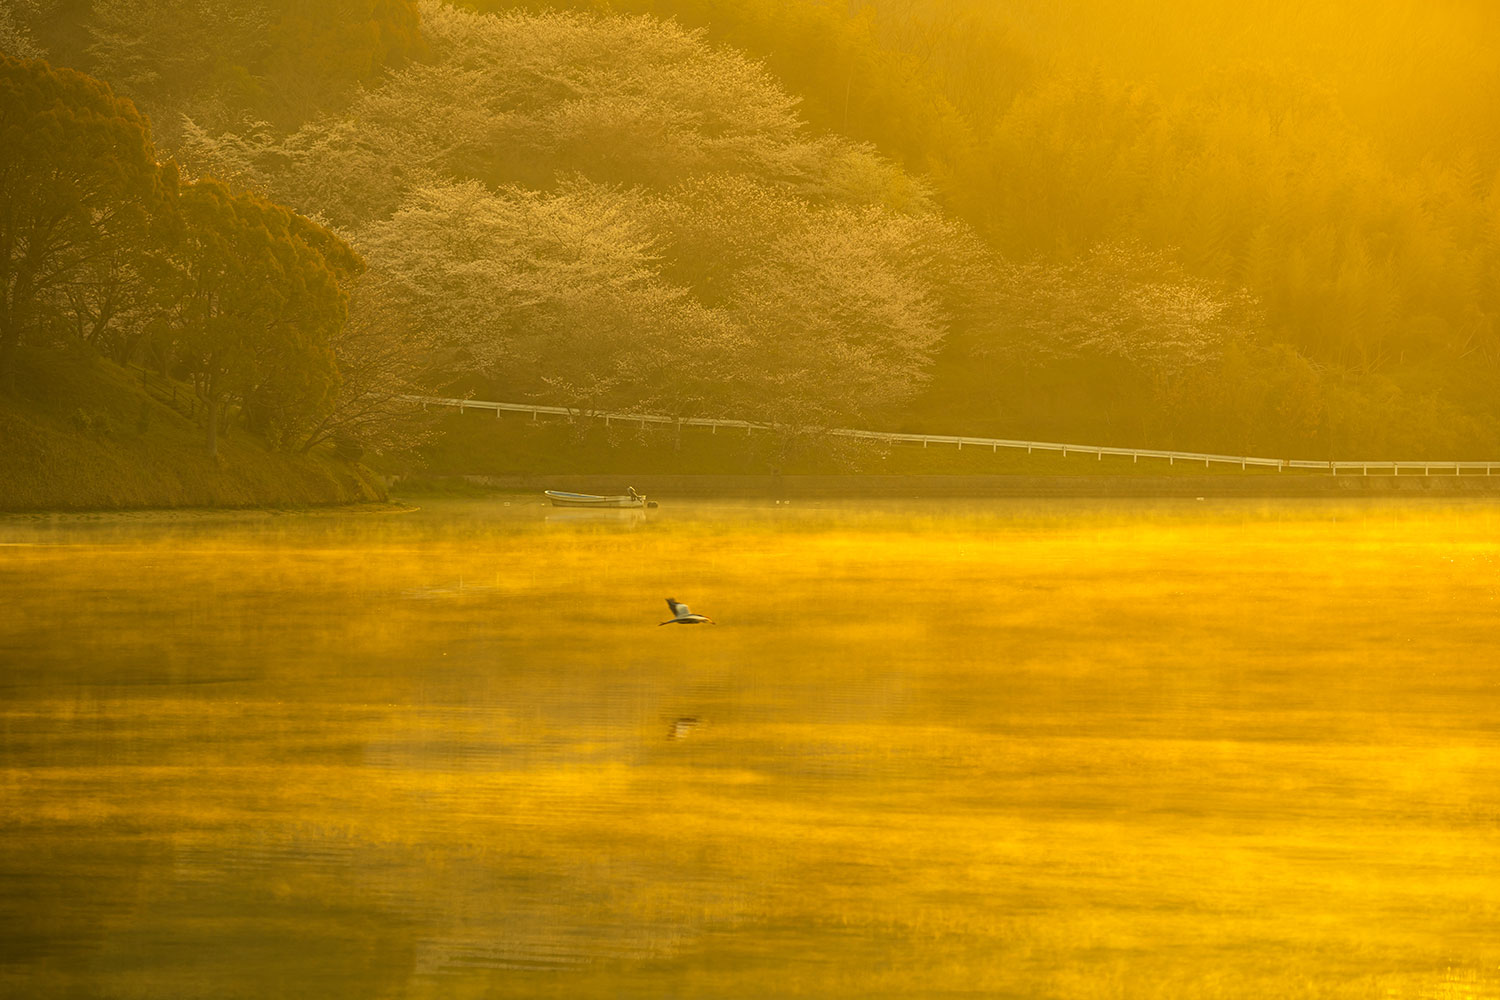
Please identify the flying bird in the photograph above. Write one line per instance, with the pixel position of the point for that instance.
(682, 616)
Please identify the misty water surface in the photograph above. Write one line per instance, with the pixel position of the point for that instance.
(1080, 749)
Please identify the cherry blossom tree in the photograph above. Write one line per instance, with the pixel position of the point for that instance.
(1123, 302)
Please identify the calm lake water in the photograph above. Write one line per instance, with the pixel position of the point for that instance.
(1072, 749)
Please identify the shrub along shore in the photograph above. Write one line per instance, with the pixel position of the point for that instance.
(81, 433)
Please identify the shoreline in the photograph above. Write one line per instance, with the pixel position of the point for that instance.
(200, 513)
(853, 486)
(978, 487)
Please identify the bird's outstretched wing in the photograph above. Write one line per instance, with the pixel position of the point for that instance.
(678, 610)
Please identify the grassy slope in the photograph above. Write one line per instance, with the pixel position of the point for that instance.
(79, 433)
(477, 443)
(520, 454)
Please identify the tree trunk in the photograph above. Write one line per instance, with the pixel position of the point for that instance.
(8, 345)
(11, 325)
(212, 420)
(17, 315)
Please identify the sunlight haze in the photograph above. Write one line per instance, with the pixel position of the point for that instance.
(1073, 426)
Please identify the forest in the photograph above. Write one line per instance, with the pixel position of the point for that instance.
(1267, 230)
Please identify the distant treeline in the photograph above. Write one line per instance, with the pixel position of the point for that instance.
(221, 64)
(921, 214)
(1341, 166)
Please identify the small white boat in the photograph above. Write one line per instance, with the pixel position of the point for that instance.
(633, 499)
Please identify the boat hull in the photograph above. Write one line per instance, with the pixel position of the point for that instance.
(561, 499)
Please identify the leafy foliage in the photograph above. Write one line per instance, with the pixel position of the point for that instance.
(1155, 202)
(258, 301)
(384, 358)
(1121, 302)
(1354, 197)
(489, 189)
(848, 83)
(505, 275)
(78, 182)
(15, 37)
(227, 64)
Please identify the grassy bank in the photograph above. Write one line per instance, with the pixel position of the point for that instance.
(516, 452)
(480, 453)
(479, 443)
(669, 490)
(80, 433)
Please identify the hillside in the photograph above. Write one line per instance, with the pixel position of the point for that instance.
(1326, 173)
(80, 433)
(889, 213)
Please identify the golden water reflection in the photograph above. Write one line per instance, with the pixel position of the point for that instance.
(1086, 749)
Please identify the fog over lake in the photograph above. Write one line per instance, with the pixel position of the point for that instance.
(1074, 749)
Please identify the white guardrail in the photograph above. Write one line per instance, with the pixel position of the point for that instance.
(994, 444)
